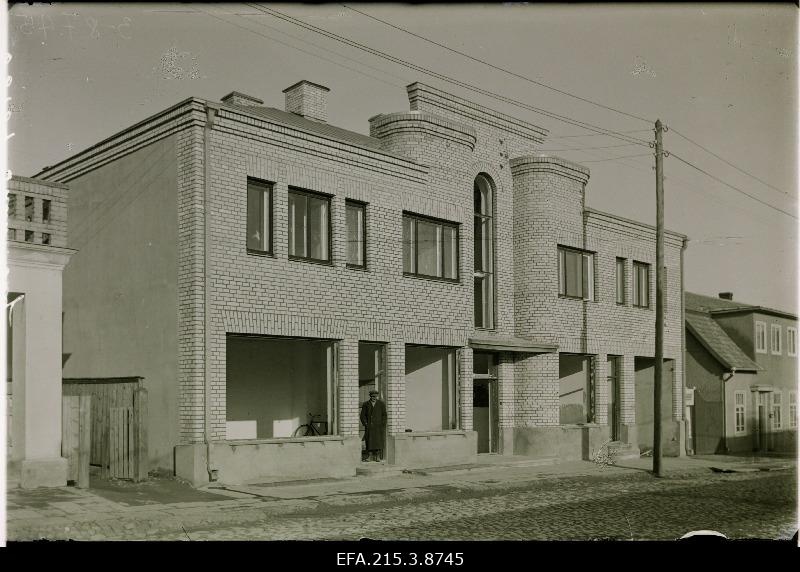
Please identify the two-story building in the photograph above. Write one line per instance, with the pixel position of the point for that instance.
(741, 366)
(258, 265)
(37, 255)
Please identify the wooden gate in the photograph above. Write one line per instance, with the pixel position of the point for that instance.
(76, 431)
(119, 424)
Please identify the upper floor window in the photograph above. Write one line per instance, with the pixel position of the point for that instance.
(45, 210)
(259, 216)
(430, 247)
(761, 337)
(29, 209)
(620, 279)
(775, 338)
(739, 411)
(309, 226)
(12, 205)
(791, 341)
(484, 253)
(356, 234)
(792, 409)
(575, 273)
(641, 284)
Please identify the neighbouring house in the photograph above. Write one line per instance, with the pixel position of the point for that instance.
(257, 266)
(741, 367)
(37, 255)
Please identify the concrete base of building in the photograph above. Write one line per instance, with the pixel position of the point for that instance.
(36, 473)
(435, 449)
(565, 442)
(240, 462)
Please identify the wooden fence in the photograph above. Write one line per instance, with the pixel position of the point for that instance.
(118, 424)
(76, 431)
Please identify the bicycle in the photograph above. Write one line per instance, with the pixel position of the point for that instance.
(310, 429)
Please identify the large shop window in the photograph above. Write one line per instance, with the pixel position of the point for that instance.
(259, 216)
(575, 393)
(309, 226)
(575, 273)
(484, 253)
(430, 247)
(273, 384)
(430, 388)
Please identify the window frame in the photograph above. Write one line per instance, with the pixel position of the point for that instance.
(363, 206)
(562, 276)
(269, 189)
(314, 195)
(30, 203)
(47, 212)
(12, 205)
(792, 409)
(486, 274)
(777, 421)
(791, 341)
(736, 408)
(620, 280)
(776, 328)
(763, 348)
(415, 252)
(636, 302)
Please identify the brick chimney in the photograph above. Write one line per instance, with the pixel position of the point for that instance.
(309, 100)
(726, 295)
(236, 98)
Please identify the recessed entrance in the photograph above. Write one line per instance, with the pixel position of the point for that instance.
(484, 401)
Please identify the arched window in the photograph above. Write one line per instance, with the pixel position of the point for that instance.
(484, 253)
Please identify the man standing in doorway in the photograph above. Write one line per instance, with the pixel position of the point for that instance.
(373, 418)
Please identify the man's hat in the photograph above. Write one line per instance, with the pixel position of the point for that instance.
(374, 392)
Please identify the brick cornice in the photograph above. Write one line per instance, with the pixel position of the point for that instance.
(388, 124)
(547, 164)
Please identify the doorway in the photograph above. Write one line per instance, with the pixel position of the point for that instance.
(484, 401)
(614, 413)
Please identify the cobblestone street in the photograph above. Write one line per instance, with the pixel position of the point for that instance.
(749, 505)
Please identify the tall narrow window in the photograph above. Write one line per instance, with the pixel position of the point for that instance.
(776, 410)
(356, 234)
(309, 226)
(29, 209)
(620, 276)
(791, 341)
(430, 247)
(776, 339)
(259, 216)
(739, 411)
(641, 284)
(12, 205)
(575, 273)
(761, 337)
(484, 254)
(792, 409)
(45, 210)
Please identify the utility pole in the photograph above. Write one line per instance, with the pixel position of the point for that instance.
(659, 349)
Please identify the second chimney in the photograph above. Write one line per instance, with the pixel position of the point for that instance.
(726, 295)
(309, 100)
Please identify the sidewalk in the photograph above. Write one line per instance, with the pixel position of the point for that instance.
(124, 510)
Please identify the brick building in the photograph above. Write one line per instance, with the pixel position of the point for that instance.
(37, 255)
(741, 368)
(257, 265)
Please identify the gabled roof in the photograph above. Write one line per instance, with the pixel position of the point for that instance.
(712, 305)
(717, 342)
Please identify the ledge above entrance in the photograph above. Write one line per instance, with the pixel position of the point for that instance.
(511, 344)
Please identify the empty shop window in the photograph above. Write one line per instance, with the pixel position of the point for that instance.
(273, 384)
(575, 394)
(430, 388)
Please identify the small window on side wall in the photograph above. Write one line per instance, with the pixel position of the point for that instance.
(620, 279)
(641, 285)
(259, 216)
(356, 234)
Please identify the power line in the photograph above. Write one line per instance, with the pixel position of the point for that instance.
(550, 136)
(522, 77)
(583, 148)
(615, 158)
(737, 189)
(709, 151)
(465, 85)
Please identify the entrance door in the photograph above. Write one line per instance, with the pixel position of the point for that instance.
(484, 401)
(615, 415)
(762, 421)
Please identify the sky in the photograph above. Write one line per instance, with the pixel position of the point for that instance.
(723, 76)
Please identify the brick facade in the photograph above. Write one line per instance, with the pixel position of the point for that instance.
(422, 161)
